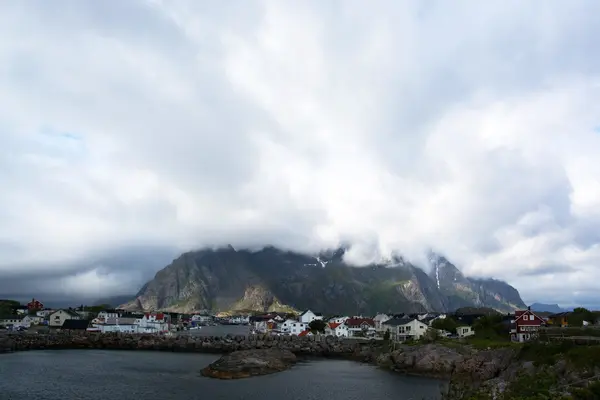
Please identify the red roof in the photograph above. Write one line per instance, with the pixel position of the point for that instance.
(359, 321)
(158, 316)
(306, 332)
(334, 325)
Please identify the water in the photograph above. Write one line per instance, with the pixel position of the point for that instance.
(135, 375)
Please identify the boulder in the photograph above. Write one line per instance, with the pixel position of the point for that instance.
(6, 345)
(247, 363)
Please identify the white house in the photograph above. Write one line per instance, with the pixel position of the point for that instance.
(57, 318)
(105, 315)
(337, 329)
(44, 313)
(124, 325)
(201, 318)
(239, 319)
(29, 320)
(379, 320)
(360, 326)
(154, 323)
(337, 320)
(293, 327)
(12, 320)
(464, 331)
(21, 310)
(405, 328)
(308, 316)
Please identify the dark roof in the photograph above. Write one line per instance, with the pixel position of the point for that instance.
(19, 317)
(359, 321)
(75, 324)
(467, 319)
(560, 314)
(72, 313)
(318, 314)
(427, 320)
(398, 321)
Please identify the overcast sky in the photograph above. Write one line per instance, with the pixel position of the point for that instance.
(132, 130)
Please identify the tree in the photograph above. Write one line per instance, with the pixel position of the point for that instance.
(490, 327)
(430, 336)
(8, 307)
(445, 324)
(317, 326)
(579, 315)
(386, 335)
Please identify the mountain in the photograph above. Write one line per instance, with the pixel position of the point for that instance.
(113, 301)
(541, 307)
(271, 279)
(468, 292)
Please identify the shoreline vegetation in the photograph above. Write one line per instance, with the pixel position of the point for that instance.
(476, 369)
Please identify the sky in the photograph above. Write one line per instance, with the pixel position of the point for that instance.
(134, 130)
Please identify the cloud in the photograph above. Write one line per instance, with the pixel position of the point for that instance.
(471, 129)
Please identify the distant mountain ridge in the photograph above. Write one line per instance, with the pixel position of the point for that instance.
(553, 308)
(272, 279)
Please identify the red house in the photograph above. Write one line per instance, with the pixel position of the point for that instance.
(35, 305)
(525, 325)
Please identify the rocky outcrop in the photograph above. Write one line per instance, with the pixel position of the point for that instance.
(6, 344)
(247, 363)
(444, 362)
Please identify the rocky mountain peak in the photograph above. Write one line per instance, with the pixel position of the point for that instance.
(273, 279)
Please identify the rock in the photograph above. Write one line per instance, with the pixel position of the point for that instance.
(6, 345)
(247, 363)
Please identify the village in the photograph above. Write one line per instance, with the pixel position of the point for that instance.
(521, 326)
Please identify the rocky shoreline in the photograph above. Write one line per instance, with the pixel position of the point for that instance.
(434, 360)
(489, 370)
(312, 346)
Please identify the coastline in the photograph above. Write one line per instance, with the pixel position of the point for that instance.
(310, 346)
(426, 360)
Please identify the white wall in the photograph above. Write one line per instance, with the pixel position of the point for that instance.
(465, 331)
(309, 317)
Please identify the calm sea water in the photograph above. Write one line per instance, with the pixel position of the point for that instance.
(135, 375)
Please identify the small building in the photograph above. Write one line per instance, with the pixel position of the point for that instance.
(106, 314)
(525, 325)
(35, 305)
(11, 321)
(122, 325)
(464, 331)
(21, 310)
(336, 329)
(293, 327)
(379, 320)
(155, 323)
(74, 325)
(558, 319)
(58, 318)
(308, 316)
(44, 313)
(337, 319)
(360, 327)
(405, 328)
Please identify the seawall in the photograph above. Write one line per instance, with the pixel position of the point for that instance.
(310, 346)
